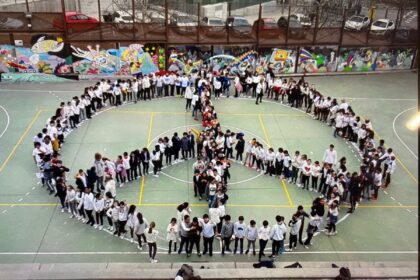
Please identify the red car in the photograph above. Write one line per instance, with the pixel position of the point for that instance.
(266, 26)
(76, 22)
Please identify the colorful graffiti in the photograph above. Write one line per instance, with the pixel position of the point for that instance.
(51, 55)
(317, 60)
(280, 61)
(368, 59)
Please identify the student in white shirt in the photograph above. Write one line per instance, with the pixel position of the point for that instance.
(131, 220)
(330, 156)
(315, 174)
(239, 229)
(294, 225)
(391, 166)
(112, 215)
(172, 234)
(277, 234)
(151, 238)
(122, 219)
(139, 229)
(333, 215)
(88, 205)
(377, 182)
(208, 227)
(98, 205)
(263, 236)
(251, 235)
(71, 201)
(259, 91)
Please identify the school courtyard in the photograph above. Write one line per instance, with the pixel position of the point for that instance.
(34, 230)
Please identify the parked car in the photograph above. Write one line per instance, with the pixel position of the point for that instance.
(303, 19)
(406, 35)
(357, 23)
(183, 24)
(382, 27)
(212, 21)
(213, 26)
(266, 27)
(239, 25)
(76, 22)
(296, 29)
(10, 23)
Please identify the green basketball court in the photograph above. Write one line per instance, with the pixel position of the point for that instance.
(34, 229)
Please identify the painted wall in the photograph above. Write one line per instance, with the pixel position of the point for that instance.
(51, 55)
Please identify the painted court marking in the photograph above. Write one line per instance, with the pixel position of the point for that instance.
(218, 252)
(28, 128)
(8, 121)
(396, 134)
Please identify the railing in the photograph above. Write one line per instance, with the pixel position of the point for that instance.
(182, 23)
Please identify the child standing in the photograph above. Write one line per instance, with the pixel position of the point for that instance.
(172, 233)
(139, 228)
(226, 234)
(251, 236)
(263, 236)
(239, 229)
(333, 213)
(294, 225)
(112, 214)
(151, 238)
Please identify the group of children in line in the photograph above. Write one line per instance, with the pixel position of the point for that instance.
(211, 170)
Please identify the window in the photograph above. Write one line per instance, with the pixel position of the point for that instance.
(82, 17)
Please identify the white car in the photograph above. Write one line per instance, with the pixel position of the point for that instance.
(357, 23)
(303, 19)
(382, 27)
(10, 23)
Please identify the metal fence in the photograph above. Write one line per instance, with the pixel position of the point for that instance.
(171, 22)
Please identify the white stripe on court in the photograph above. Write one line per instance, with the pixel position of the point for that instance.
(396, 134)
(8, 121)
(218, 252)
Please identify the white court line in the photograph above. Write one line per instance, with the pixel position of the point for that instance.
(8, 121)
(392, 198)
(37, 90)
(396, 134)
(386, 99)
(142, 252)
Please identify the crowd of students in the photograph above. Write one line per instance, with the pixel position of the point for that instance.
(95, 195)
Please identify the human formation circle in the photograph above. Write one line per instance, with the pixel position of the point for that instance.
(91, 196)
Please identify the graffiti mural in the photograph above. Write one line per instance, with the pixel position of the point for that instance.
(357, 60)
(280, 61)
(186, 59)
(317, 60)
(24, 60)
(50, 55)
(391, 59)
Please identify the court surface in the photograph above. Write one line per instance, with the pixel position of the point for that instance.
(33, 229)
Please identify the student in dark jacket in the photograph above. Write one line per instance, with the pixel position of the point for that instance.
(176, 146)
(91, 177)
(145, 160)
(301, 214)
(191, 143)
(185, 145)
(133, 165)
(240, 147)
(354, 191)
(138, 160)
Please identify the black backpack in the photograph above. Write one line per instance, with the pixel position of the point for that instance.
(344, 274)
